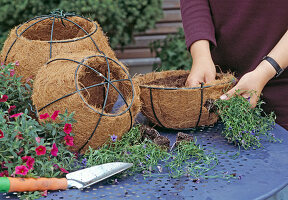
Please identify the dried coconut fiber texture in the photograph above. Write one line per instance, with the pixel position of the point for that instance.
(34, 42)
(167, 103)
(64, 83)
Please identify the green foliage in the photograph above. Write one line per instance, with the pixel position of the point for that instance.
(21, 135)
(245, 126)
(18, 93)
(119, 18)
(173, 53)
(188, 158)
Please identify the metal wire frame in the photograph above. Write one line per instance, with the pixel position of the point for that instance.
(202, 87)
(107, 82)
(60, 15)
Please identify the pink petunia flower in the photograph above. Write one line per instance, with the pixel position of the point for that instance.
(55, 115)
(44, 116)
(1, 134)
(40, 150)
(11, 108)
(4, 174)
(38, 139)
(4, 98)
(22, 170)
(25, 158)
(29, 161)
(54, 150)
(12, 72)
(67, 128)
(64, 170)
(17, 63)
(69, 140)
(16, 115)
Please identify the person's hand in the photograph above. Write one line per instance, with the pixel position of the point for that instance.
(202, 71)
(251, 84)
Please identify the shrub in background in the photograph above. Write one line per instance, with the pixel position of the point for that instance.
(119, 18)
(173, 52)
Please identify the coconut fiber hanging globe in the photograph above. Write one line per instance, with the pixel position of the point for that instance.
(36, 41)
(88, 84)
(167, 103)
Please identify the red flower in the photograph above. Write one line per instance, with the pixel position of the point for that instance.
(1, 134)
(68, 128)
(44, 193)
(64, 170)
(20, 151)
(4, 98)
(19, 136)
(54, 150)
(40, 150)
(25, 158)
(22, 170)
(29, 161)
(44, 116)
(4, 173)
(11, 108)
(55, 114)
(16, 115)
(3, 164)
(69, 140)
(12, 72)
(55, 166)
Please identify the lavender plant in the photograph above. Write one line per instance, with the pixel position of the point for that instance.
(243, 125)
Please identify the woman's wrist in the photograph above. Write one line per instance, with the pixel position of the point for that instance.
(265, 71)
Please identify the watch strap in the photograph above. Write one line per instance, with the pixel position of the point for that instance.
(274, 64)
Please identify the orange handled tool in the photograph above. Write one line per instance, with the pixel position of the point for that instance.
(32, 184)
(79, 179)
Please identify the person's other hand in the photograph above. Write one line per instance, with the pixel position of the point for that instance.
(252, 83)
(202, 71)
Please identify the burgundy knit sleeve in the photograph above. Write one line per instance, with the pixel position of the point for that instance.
(197, 21)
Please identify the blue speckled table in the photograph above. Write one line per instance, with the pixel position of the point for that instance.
(264, 172)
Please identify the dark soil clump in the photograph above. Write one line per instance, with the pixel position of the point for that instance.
(148, 132)
(162, 141)
(183, 137)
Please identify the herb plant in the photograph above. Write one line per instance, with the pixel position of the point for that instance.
(188, 158)
(243, 125)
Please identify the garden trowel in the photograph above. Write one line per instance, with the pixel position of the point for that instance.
(79, 179)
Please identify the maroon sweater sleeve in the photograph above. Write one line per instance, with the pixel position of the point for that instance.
(197, 21)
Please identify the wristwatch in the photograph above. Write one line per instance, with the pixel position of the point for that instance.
(274, 64)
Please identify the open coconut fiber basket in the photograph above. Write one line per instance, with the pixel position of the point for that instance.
(88, 85)
(167, 103)
(36, 41)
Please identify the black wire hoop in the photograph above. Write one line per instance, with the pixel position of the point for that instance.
(62, 16)
(59, 15)
(202, 87)
(107, 82)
